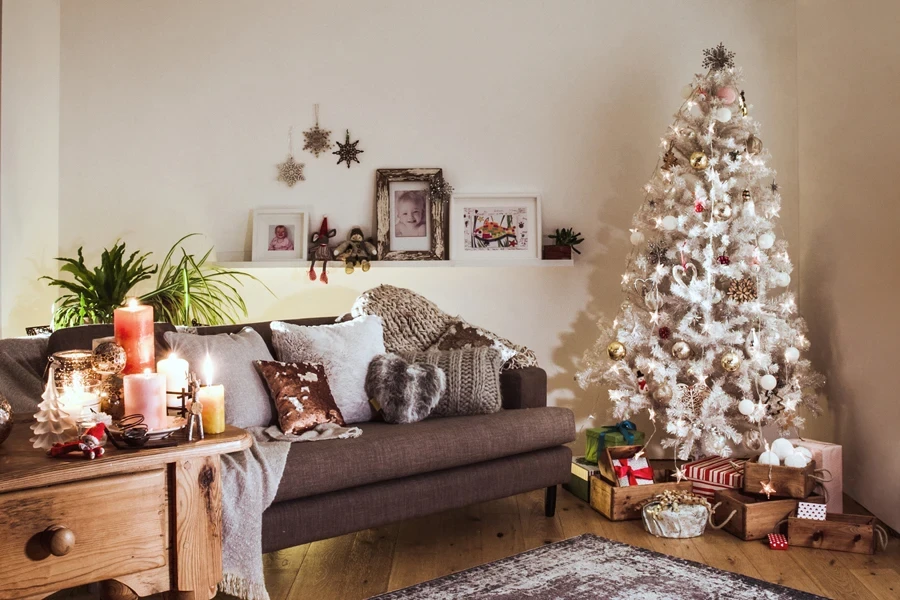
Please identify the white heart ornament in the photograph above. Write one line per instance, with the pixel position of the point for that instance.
(678, 273)
(648, 292)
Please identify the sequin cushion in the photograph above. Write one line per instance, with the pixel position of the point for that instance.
(301, 395)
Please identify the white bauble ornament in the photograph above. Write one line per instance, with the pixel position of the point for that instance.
(766, 241)
(695, 110)
(723, 114)
(804, 451)
(637, 238)
(782, 448)
(782, 279)
(746, 407)
(749, 209)
(669, 223)
(769, 458)
(792, 354)
(663, 392)
(687, 91)
(796, 460)
(768, 382)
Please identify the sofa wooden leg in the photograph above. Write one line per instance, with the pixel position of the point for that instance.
(550, 501)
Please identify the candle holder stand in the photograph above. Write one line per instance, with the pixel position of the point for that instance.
(191, 412)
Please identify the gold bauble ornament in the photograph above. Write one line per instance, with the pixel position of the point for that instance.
(108, 358)
(681, 350)
(754, 145)
(616, 350)
(663, 392)
(699, 161)
(731, 361)
(722, 212)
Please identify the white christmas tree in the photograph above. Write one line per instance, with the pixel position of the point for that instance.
(708, 336)
(52, 423)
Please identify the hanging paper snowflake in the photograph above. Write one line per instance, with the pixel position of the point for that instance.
(656, 254)
(290, 171)
(742, 290)
(718, 58)
(347, 151)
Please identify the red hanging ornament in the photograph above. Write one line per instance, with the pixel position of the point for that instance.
(724, 260)
(665, 332)
(698, 206)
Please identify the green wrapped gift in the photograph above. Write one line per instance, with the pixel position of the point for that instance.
(623, 433)
(579, 483)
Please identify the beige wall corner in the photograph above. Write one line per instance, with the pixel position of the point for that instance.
(29, 161)
(849, 88)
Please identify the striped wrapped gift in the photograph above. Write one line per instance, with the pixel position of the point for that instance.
(714, 473)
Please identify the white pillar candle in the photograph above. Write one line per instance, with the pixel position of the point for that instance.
(176, 371)
(145, 394)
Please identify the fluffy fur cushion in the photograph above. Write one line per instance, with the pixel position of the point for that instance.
(473, 380)
(405, 392)
(344, 349)
(301, 395)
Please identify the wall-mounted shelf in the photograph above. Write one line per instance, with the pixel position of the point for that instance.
(382, 264)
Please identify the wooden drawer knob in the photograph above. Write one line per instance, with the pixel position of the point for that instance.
(58, 540)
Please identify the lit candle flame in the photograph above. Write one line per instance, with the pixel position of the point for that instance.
(132, 303)
(77, 383)
(208, 370)
(173, 356)
(148, 371)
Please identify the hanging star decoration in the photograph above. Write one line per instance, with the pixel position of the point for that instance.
(290, 171)
(718, 58)
(679, 474)
(318, 140)
(774, 187)
(347, 151)
(767, 488)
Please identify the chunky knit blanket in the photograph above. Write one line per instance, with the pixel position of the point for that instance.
(412, 323)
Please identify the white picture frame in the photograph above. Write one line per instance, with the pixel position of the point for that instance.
(268, 242)
(510, 226)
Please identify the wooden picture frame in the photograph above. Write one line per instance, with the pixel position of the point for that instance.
(390, 244)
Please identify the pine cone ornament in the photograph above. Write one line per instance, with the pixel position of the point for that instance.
(742, 290)
(664, 333)
(724, 260)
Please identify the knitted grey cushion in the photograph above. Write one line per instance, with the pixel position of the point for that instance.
(473, 379)
(247, 402)
(405, 392)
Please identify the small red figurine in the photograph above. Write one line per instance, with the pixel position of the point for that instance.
(321, 250)
(88, 443)
(777, 541)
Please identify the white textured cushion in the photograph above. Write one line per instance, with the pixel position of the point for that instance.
(345, 349)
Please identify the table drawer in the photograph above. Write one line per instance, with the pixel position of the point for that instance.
(103, 528)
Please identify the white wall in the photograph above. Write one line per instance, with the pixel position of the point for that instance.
(175, 113)
(849, 88)
(29, 161)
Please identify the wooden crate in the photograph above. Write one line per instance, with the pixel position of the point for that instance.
(846, 533)
(606, 456)
(756, 517)
(624, 503)
(789, 482)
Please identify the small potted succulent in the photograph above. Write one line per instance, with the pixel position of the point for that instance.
(565, 241)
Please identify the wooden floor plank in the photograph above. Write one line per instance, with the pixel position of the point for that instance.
(778, 567)
(826, 570)
(281, 568)
(537, 529)
(883, 583)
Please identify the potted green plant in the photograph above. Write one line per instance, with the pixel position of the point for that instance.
(565, 241)
(188, 290)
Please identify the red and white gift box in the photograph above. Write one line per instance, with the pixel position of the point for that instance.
(811, 510)
(828, 457)
(633, 471)
(778, 541)
(714, 473)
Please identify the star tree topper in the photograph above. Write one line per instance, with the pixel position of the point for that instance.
(347, 151)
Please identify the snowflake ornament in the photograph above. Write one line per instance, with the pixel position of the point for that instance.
(718, 58)
(347, 151)
(318, 140)
(290, 171)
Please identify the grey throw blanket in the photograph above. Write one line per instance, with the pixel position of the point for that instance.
(250, 481)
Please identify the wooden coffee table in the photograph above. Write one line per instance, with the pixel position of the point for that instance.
(143, 521)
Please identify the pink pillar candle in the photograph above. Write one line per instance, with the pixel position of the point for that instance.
(145, 394)
(133, 325)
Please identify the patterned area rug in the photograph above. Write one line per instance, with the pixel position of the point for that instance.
(589, 566)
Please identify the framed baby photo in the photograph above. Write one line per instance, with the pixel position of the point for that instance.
(280, 233)
(410, 223)
(495, 226)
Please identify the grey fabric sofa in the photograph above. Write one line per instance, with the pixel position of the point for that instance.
(394, 472)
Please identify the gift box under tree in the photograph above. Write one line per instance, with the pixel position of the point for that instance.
(715, 473)
(828, 457)
(623, 433)
(579, 483)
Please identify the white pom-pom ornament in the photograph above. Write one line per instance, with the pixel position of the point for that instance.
(769, 458)
(746, 407)
(766, 241)
(637, 238)
(782, 279)
(782, 448)
(792, 354)
(796, 460)
(768, 382)
(687, 91)
(723, 114)
(670, 223)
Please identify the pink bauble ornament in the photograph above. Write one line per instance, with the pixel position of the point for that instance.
(726, 94)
